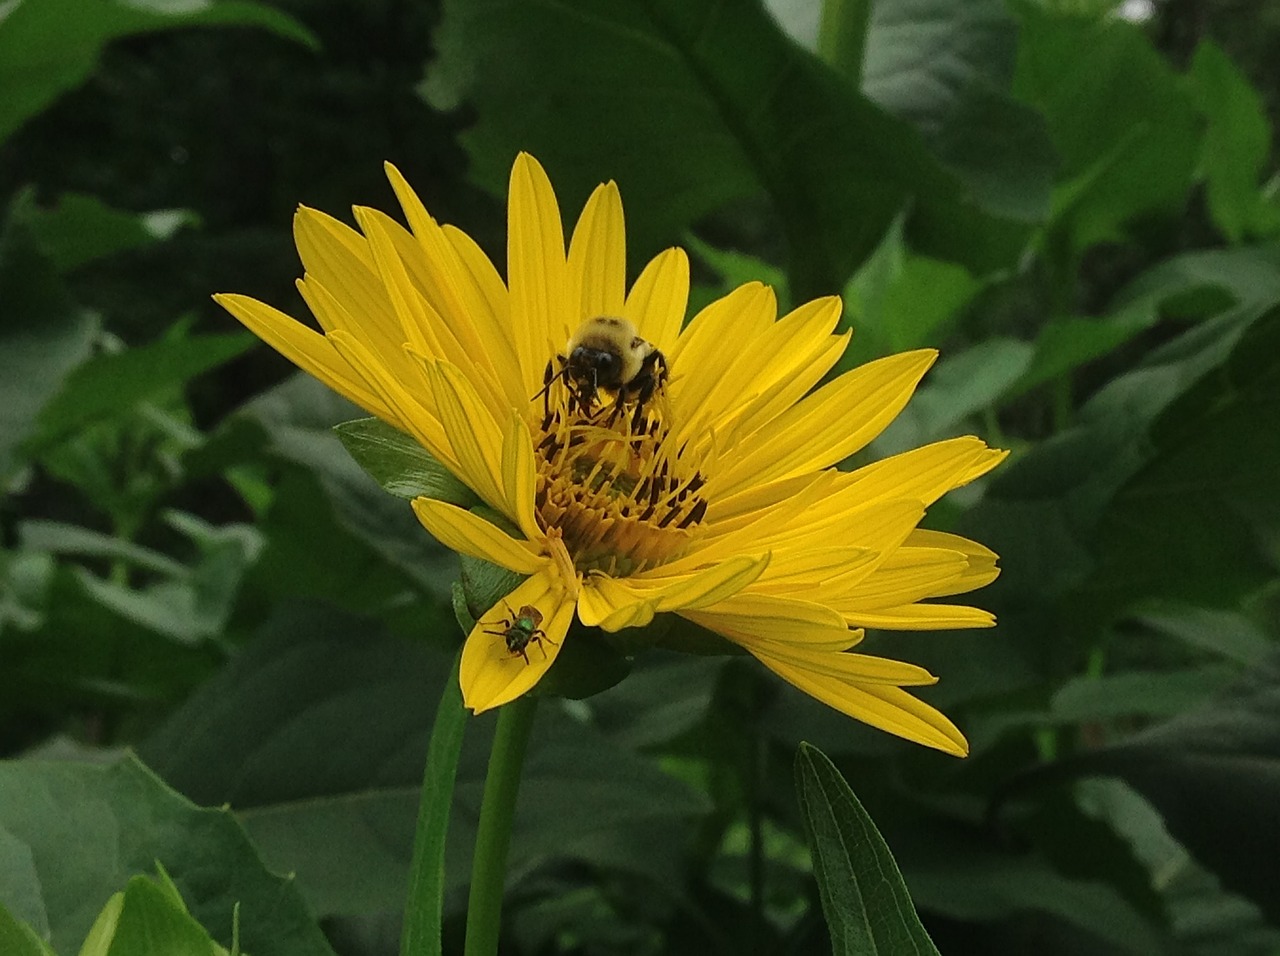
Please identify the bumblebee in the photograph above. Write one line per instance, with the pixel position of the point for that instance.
(521, 629)
(606, 353)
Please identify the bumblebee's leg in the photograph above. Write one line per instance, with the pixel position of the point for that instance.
(548, 377)
(644, 392)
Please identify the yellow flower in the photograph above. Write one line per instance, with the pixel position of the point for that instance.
(717, 499)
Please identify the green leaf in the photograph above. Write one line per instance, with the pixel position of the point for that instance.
(66, 539)
(82, 228)
(1245, 276)
(1138, 693)
(1214, 773)
(90, 828)
(961, 384)
(48, 47)
(299, 416)
(317, 733)
(19, 939)
(399, 464)
(111, 384)
(1237, 144)
(1121, 119)
(151, 921)
(900, 300)
(654, 95)
(1192, 522)
(43, 336)
(867, 906)
(946, 67)
(1065, 344)
(1164, 490)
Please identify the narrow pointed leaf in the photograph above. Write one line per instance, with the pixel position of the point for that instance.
(867, 906)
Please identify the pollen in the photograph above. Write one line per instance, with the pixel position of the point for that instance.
(620, 492)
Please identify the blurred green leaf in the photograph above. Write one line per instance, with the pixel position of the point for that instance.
(399, 464)
(1121, 119)
(117, 821)
(18, 938)
(1214, 774)
(946, 66)
(867, 906)
(1138, 693)
(107, 385)
(1065, 344)
(299, 417)
(1237, 143)
(80, 229)
(317, 734)
(1245, 276)
(655, 96)
(48, 47)
(1163, 491)
(962, 383)
(149, 918)
(1192, 523)
(900, 300)
(43, 335)
(65, 539)
(1226, 634)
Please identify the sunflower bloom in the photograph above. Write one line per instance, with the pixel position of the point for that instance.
(717, 499)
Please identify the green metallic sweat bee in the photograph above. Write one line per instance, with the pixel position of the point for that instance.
(521, 629)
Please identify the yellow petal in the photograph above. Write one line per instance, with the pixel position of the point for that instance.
(657, 592)
(536, 269)
(888, 708)
(850, 667)
(657, 302)
(491, 674)
(451, 286)
(906, 575)
(812, 570)
(461, 531)
(609, 604)
(597, 259)
(828, 426)
(700, 359)
(519, 475)
(926, 473)
(747, 616)
(307, 349)
(473, 434)
(777, 364)
(981, 568)
(412, 416)
(340, 259)
(923, 617)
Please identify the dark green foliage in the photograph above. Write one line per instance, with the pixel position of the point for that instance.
(1078, 210)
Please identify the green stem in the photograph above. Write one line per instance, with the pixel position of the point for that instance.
(489, 867)
(842, 37)
(424, 909)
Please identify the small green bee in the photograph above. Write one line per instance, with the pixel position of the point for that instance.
(521, 629)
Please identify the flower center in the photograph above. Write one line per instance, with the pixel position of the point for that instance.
(612, 482)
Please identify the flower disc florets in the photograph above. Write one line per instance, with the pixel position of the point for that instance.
(624, 500)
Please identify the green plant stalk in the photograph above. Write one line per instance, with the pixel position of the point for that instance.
(497, 809)
(424, 907)
(842, 37)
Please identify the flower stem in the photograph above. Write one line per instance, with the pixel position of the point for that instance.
(423, 913)
(489, 866)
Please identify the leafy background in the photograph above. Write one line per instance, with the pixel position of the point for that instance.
(1079, 207)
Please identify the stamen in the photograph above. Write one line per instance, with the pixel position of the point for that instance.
(611, 483)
